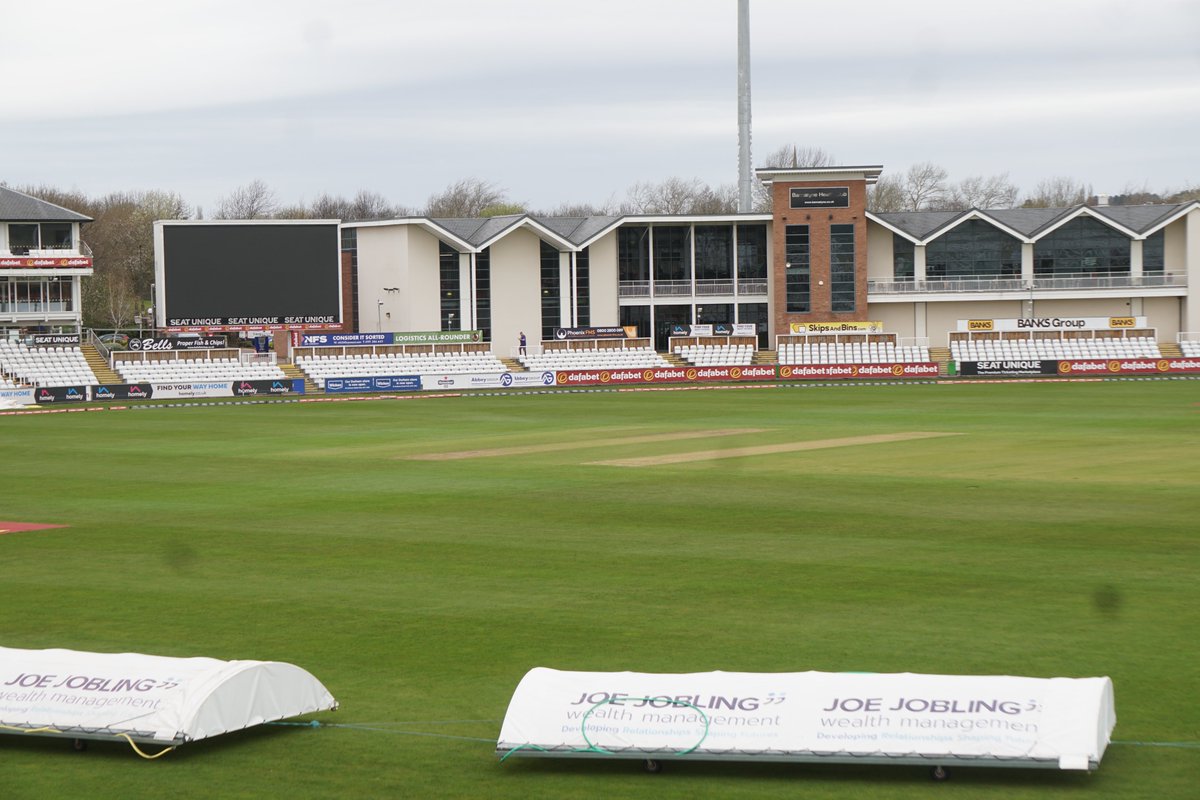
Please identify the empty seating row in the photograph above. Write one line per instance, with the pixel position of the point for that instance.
(852, 353)
(320, 367)
(1190, 349)
(1052, 349)
(195, 370)
(716, 355)
(626, 358)
(44, 366)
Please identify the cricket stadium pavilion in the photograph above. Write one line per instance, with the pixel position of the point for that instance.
(819, 257)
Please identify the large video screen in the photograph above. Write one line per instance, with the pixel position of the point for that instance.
(239, 275)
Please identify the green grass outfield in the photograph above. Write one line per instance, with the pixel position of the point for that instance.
(1055, 536)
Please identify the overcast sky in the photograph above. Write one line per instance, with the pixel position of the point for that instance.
(561, 101)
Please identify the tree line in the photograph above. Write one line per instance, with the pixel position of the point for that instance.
(121, 233)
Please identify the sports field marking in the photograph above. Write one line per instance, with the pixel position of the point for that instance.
(552, 447)
(17, 527)
(768, 449)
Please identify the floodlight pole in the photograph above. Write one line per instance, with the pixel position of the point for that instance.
(745, 175)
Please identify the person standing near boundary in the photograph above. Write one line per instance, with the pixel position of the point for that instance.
(521, 343)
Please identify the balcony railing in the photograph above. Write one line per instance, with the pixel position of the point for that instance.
(704, 287)
(18, 251)
(1005, 284)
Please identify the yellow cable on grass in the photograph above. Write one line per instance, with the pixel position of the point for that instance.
(138, 750)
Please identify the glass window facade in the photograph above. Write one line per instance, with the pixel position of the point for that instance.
(752, 252)
(714, 252)
(1153, 254)
(638, 316)
(483, 293)
(713, 313)
(672, 253)
(56, 236)
(1083, 246)
(583, 303)
(798, 271)
(551, 292)
(22, 237)
(38, 296)
(974, 249)
(904, 262)
(450, 290)
(759, 315)
(633, 253)
(841, 267)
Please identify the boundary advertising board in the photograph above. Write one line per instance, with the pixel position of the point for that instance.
(609, 377)
(804, 372)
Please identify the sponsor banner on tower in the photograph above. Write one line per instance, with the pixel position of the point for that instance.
(1052, 324)
(54, 339)
(689, 374)
(122, 391)
(1012, 367)
(611, 332)
(819, 197)
(60, 394)
(836, 327)
(1129, 366)
(805, 372)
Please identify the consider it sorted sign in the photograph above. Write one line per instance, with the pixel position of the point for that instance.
(1062, 723)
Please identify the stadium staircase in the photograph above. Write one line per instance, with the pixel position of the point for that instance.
(295, 373)
(675, 360)
(1170, 350)
(512, 365)
(941, 355)
(768, 357)
(99, 364)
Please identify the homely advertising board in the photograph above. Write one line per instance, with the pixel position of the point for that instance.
(1083, 368)
(1057, 723)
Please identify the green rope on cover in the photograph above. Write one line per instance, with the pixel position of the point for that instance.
(593, 748)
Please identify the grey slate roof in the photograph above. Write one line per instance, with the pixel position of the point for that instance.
(919, 224)
(1139, 218)
(19, 207)
(1029, 221)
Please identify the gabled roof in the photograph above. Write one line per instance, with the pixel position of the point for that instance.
(917, 225)
(1032, 223)
(19, 207)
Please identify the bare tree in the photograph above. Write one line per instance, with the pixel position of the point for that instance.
(789, 156)
(255, 200)
(1058, 192)
(887, 194)
(465, 198)
(981, 192)
(924, 186)
(1184, 195)
(796, 157)
(608, 208)
(679, 196)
